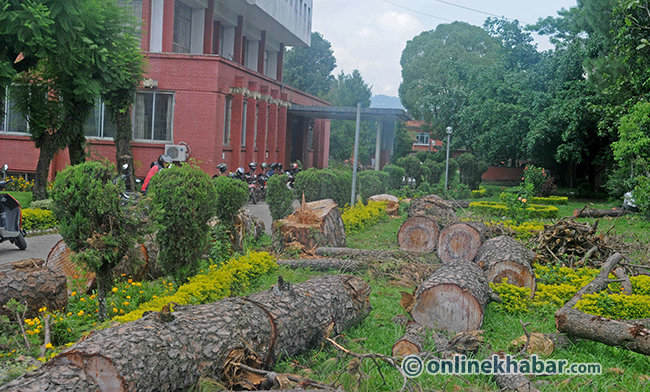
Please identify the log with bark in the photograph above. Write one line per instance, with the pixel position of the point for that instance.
(247, 227)
(620, 333)
(324, 264)
(434, 206)
(171, 351)
(392, 203)
(505, 257)
(412, 342)
(30, 281)
(461, 241)
(598, 213)
(453, 298)
(418, 234)
(314, 224)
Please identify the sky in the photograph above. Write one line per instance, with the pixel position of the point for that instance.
(369, 35)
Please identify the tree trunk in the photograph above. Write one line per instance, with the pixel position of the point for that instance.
(324, 264)
(315, 224)
(461, 241)
(505, 257)
(630, 335)
(166, 351)
(598, 213)
(453, 298)
(32, 282)
(121, 119)
(45, 155)
(418, 234)
(74, 127)
(412, 342)
(433, 205)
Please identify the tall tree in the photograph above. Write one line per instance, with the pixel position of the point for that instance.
(310, 68)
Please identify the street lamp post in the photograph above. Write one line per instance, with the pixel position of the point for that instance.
(449, 131)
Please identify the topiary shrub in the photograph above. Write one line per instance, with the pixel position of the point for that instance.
(45, 204)
(183, 200)
(279, 197)
(395, 176)
(371, 182)
(308, 182)
(412, 166)
(435, 171)
(471, 170)
(325, 184)
(91, 221)
(231, 197)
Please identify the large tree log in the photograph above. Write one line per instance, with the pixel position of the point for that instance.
(30, 281)
(418, 234)
(461, 241)
(315, 224)
(598, 213)
(324, 264)
(629, 335)
(170, 351)
(453, 298)
(505, 257)
(392, 203)
(434, 206)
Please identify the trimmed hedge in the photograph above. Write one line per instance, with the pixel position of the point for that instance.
(38, 219)
(551, 200)
(45, 204)
(480, 193)
(360, 216)
(497, 208)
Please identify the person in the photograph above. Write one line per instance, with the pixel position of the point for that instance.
(223, 170)
(163, 161)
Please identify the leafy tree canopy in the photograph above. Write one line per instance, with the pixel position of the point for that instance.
(310, 68)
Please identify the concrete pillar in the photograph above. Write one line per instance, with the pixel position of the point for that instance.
(282, 131)
(168, 27)
(279, 65)
(239, 41)
(273, 127)
(145, 44)
(236, 123)
(208, 26)
(250, 124)
(260, 53)
(262, 124)
(378, 147)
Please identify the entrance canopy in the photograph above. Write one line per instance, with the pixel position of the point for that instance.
(349, 113)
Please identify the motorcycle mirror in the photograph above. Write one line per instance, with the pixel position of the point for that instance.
(4, 168)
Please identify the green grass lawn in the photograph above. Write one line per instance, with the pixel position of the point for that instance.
(24, 198)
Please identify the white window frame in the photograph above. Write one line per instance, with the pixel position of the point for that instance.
(153, 117)
(227, 121)
(102, 122)
(5, 118)
(420, 136)
(178, 47)
(243, 123)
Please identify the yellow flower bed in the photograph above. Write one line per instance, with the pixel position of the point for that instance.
(360, 216)
(212, 286)
(37, 219)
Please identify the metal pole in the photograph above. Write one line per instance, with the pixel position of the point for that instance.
(447, 168)
(356, 153)
(378, 146)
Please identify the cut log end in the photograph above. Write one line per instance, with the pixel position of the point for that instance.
(418, 234)
(516, 274)
(448, 307)
(460, 241)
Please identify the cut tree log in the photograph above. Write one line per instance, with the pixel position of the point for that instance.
(412, 342)
(314, 224)
(461, 241)
(247, 226)
(30, 281)
(453, 298)
(151, 354)
(392, 203)
(434, 206)
(630, 335)
(505, 257)
(418, 234)
(598, 213)
(324, 264)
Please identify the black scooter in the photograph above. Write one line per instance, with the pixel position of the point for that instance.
(11, 216)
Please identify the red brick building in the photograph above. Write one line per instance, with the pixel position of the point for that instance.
(213, 86)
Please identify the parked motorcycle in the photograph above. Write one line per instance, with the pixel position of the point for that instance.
(11, 216)
(129, 195)
(291, 175)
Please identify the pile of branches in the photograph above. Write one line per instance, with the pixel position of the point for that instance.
(575, 243)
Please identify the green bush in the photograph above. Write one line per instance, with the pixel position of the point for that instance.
(325, 184)
(412, 166)
(435, 170)
(551, 200)
(231, 197)
(279, 197)
(395, 176)
(92, 222)
(481, 193)
(500, 209)
(45, 204)
(471, 170)
(184, 199)
(371, 182)
(37, 219)
(642, 195)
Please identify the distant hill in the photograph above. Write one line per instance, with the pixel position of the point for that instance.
(386, 102)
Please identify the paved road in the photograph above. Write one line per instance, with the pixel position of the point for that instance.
(37, 247)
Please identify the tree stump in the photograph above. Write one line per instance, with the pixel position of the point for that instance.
(392, 203)
(418, 234)
(32, 282)
(434, 206)
(247, 226)
(505, 257)
(461, 241)
(166, 351)
(314, 224)
(453, 298)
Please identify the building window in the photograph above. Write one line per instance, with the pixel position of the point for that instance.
(266, 62)
(422, 138)
(153, 116)
(135, 9)
(243, 123)
(226, 121)
(13, 121)
(99, 124)
(222, 33)
(257, 111)
(182, 28)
